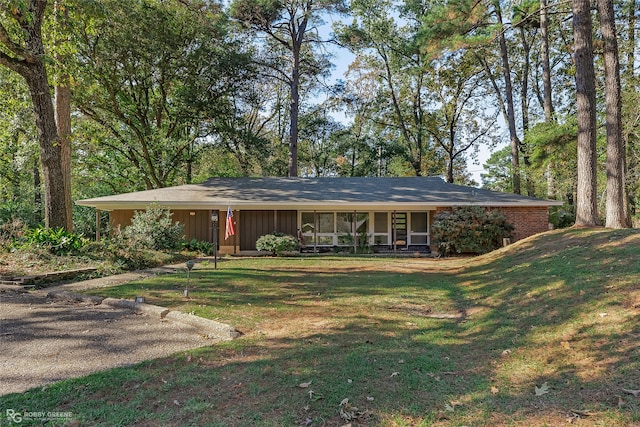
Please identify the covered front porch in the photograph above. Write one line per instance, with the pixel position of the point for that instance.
(380, 231)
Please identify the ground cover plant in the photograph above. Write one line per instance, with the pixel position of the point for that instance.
(151, 240)
(542, 333)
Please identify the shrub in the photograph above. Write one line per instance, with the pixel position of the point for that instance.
(11, 231)
(56, 240)
(277, 243)
(154, 229)
(202, 246)
(470, 229)
(23, 210)
(123, 256)
(562, 216)
(346, 244)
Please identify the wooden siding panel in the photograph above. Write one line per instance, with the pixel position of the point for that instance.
(196, 226)
(253, 225)
(120, 218)
(287, 222)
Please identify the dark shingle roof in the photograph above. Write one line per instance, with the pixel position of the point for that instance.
(283, 193)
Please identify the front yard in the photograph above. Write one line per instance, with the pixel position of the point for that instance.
(544, 332)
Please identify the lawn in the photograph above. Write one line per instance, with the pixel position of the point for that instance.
(542, 333)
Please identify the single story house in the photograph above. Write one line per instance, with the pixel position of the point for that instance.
(388, 213)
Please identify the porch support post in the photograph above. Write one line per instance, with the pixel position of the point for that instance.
(315, 232)
(354, 225)
(394, 232)
(97, 225)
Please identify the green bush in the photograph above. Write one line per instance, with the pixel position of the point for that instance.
(56, 240)
(122, 256)
(202, 246)
(139, 245)
(470, 229)
(562, 216)
(277, 243)
(11, 232)
(23, 211)
(154, 229)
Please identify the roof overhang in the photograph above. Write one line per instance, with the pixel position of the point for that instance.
(325, 206)
(328, 194)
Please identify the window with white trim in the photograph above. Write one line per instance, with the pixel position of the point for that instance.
(419, 231)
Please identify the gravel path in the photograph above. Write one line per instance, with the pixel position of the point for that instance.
(44, 340)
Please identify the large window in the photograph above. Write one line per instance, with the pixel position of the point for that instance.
(381, 228)
(349, 228)
(331, 229)
(419, 228)
(318, 228)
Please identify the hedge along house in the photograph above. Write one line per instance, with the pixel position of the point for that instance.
(387, 214)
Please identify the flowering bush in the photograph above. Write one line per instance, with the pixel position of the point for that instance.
(277, 243)
(470, 229)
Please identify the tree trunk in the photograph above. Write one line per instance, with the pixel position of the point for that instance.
(549, 114)
(524, 105)
(511, 119)
(615, 216)
(27, 59)
(630, 144)
(450, 172)
(586, 204)
(63, 117)
(63, 124)
(294, 112)
(50, 156)
(546, 67)
(297, 39)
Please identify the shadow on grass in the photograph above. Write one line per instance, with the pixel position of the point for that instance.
(550, 334)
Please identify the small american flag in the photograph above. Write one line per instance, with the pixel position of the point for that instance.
(230, 230)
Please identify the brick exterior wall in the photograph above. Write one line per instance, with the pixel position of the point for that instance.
(526, 220)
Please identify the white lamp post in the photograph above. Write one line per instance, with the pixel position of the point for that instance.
(189, 265)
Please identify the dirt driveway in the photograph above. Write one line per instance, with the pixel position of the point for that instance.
(43, 340)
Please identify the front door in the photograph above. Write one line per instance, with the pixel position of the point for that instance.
(399, 229)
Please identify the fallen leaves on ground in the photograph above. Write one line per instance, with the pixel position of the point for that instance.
(449, 407)
(575, 415)
(315, 396)
(543, 389)
(635, 393)
(350, 413)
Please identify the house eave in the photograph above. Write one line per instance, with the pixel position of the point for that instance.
(329, 205)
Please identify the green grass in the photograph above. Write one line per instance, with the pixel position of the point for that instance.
(408, 341)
